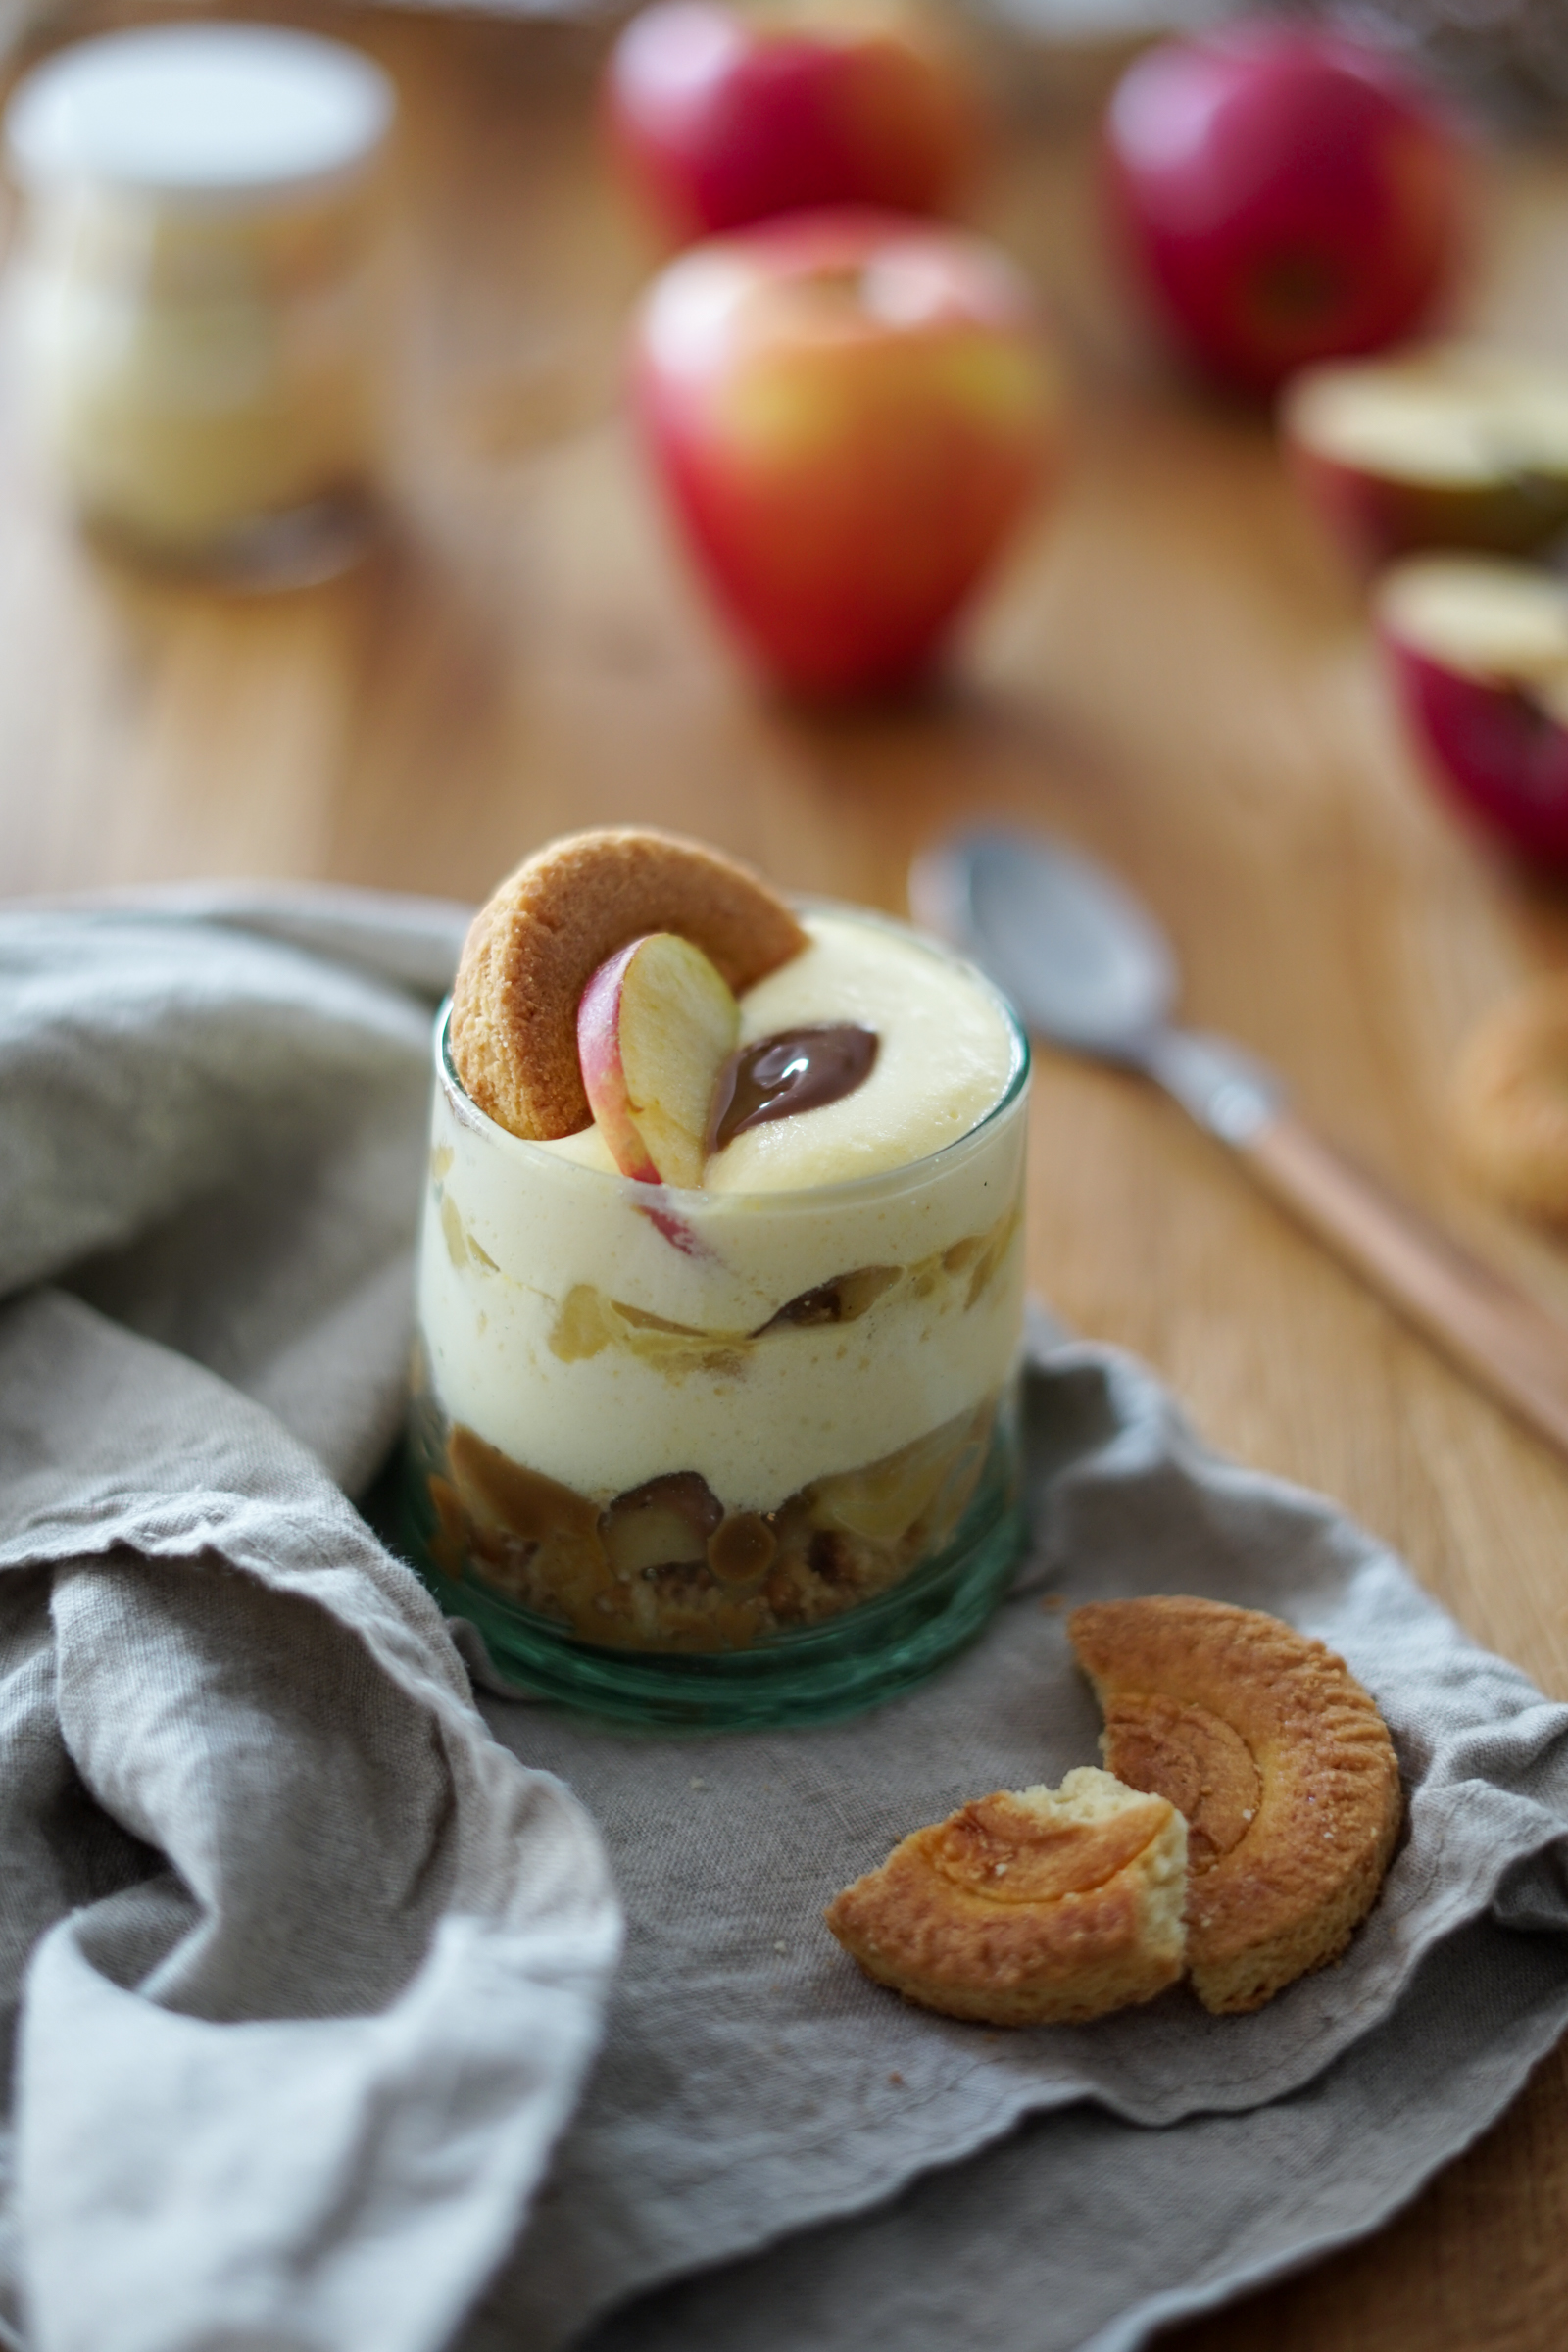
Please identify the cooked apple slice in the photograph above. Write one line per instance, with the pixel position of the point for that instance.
(664, 1524)
(655, 1027)
(1479, 652)
(1457, 446)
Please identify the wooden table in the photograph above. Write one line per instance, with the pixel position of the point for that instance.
(1174, 672)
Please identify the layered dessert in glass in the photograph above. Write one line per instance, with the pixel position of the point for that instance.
(713, 1389)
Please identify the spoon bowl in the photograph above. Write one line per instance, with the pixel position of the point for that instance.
(1085, 964)
(1088, 969)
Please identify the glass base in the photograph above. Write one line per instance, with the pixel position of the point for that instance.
(871, 1653)
(300, 548)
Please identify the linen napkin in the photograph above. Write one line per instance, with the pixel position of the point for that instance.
(300, 1970)
(1154, 2160)
(316, 1969)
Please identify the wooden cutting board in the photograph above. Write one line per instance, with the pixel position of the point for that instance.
(1174, 671)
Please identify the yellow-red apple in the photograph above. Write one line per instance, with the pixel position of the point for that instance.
(723, 116)
(656, 1025)
(1478, 647)
(1457, 446)
(851, 413)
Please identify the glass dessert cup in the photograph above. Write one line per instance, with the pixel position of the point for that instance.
(718, 1458)
(199, 295)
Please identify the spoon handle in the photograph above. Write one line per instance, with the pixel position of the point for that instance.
(1475, 1315)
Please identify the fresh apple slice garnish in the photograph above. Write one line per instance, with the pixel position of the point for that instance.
(1452, 447)
(1478, 652)
(656, 1025)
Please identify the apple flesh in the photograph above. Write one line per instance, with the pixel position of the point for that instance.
(1453, 446)
(851, 413)
(656, 1025)
(1289, 194)
(721, 118)
(1478, 647)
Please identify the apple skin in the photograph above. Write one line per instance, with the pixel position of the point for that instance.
(656, 1025)
(603, 1075)
(1290, 195)
(1497, 752)
(1375, 518)
(849, 413)
(721, 118)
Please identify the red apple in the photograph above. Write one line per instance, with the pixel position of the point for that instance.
(1290, 195)
(1478, 652)
(656, 1025)
(1455, 446)
(722, 117)
(851, 413)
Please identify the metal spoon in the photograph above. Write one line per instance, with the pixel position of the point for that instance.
(1090, 970)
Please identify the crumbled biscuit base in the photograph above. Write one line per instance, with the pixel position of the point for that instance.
(665, 1567)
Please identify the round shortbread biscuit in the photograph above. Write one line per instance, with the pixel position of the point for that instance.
(533, 947)
(1511, 1101)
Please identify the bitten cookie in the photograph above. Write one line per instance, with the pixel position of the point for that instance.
(1511, 1101)
(534, 946)
(1042, 1907)
(1280, 1764)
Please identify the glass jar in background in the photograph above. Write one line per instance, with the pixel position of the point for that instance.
(197, 302)
(723, 1457)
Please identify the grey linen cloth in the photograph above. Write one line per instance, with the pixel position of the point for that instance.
(291, 2076)
(1156, 2160)
(300, 1970)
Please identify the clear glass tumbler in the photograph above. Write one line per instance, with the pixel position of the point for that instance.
(717, 1457)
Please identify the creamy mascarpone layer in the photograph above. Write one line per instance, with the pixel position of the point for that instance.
(945, 1056)
(605, 1332)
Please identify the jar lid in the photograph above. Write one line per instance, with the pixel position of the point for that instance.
(223, 112)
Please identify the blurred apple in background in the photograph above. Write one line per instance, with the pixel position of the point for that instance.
(851, 413)
(1458, 446)
(724, 119)
(1289, 194)
(1478, 652)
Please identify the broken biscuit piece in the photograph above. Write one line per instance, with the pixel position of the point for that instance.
(1280, 1764)
(1043, 1906)
(1511, 1101)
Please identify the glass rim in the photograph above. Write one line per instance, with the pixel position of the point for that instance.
(778, 1199)
(64, 127)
